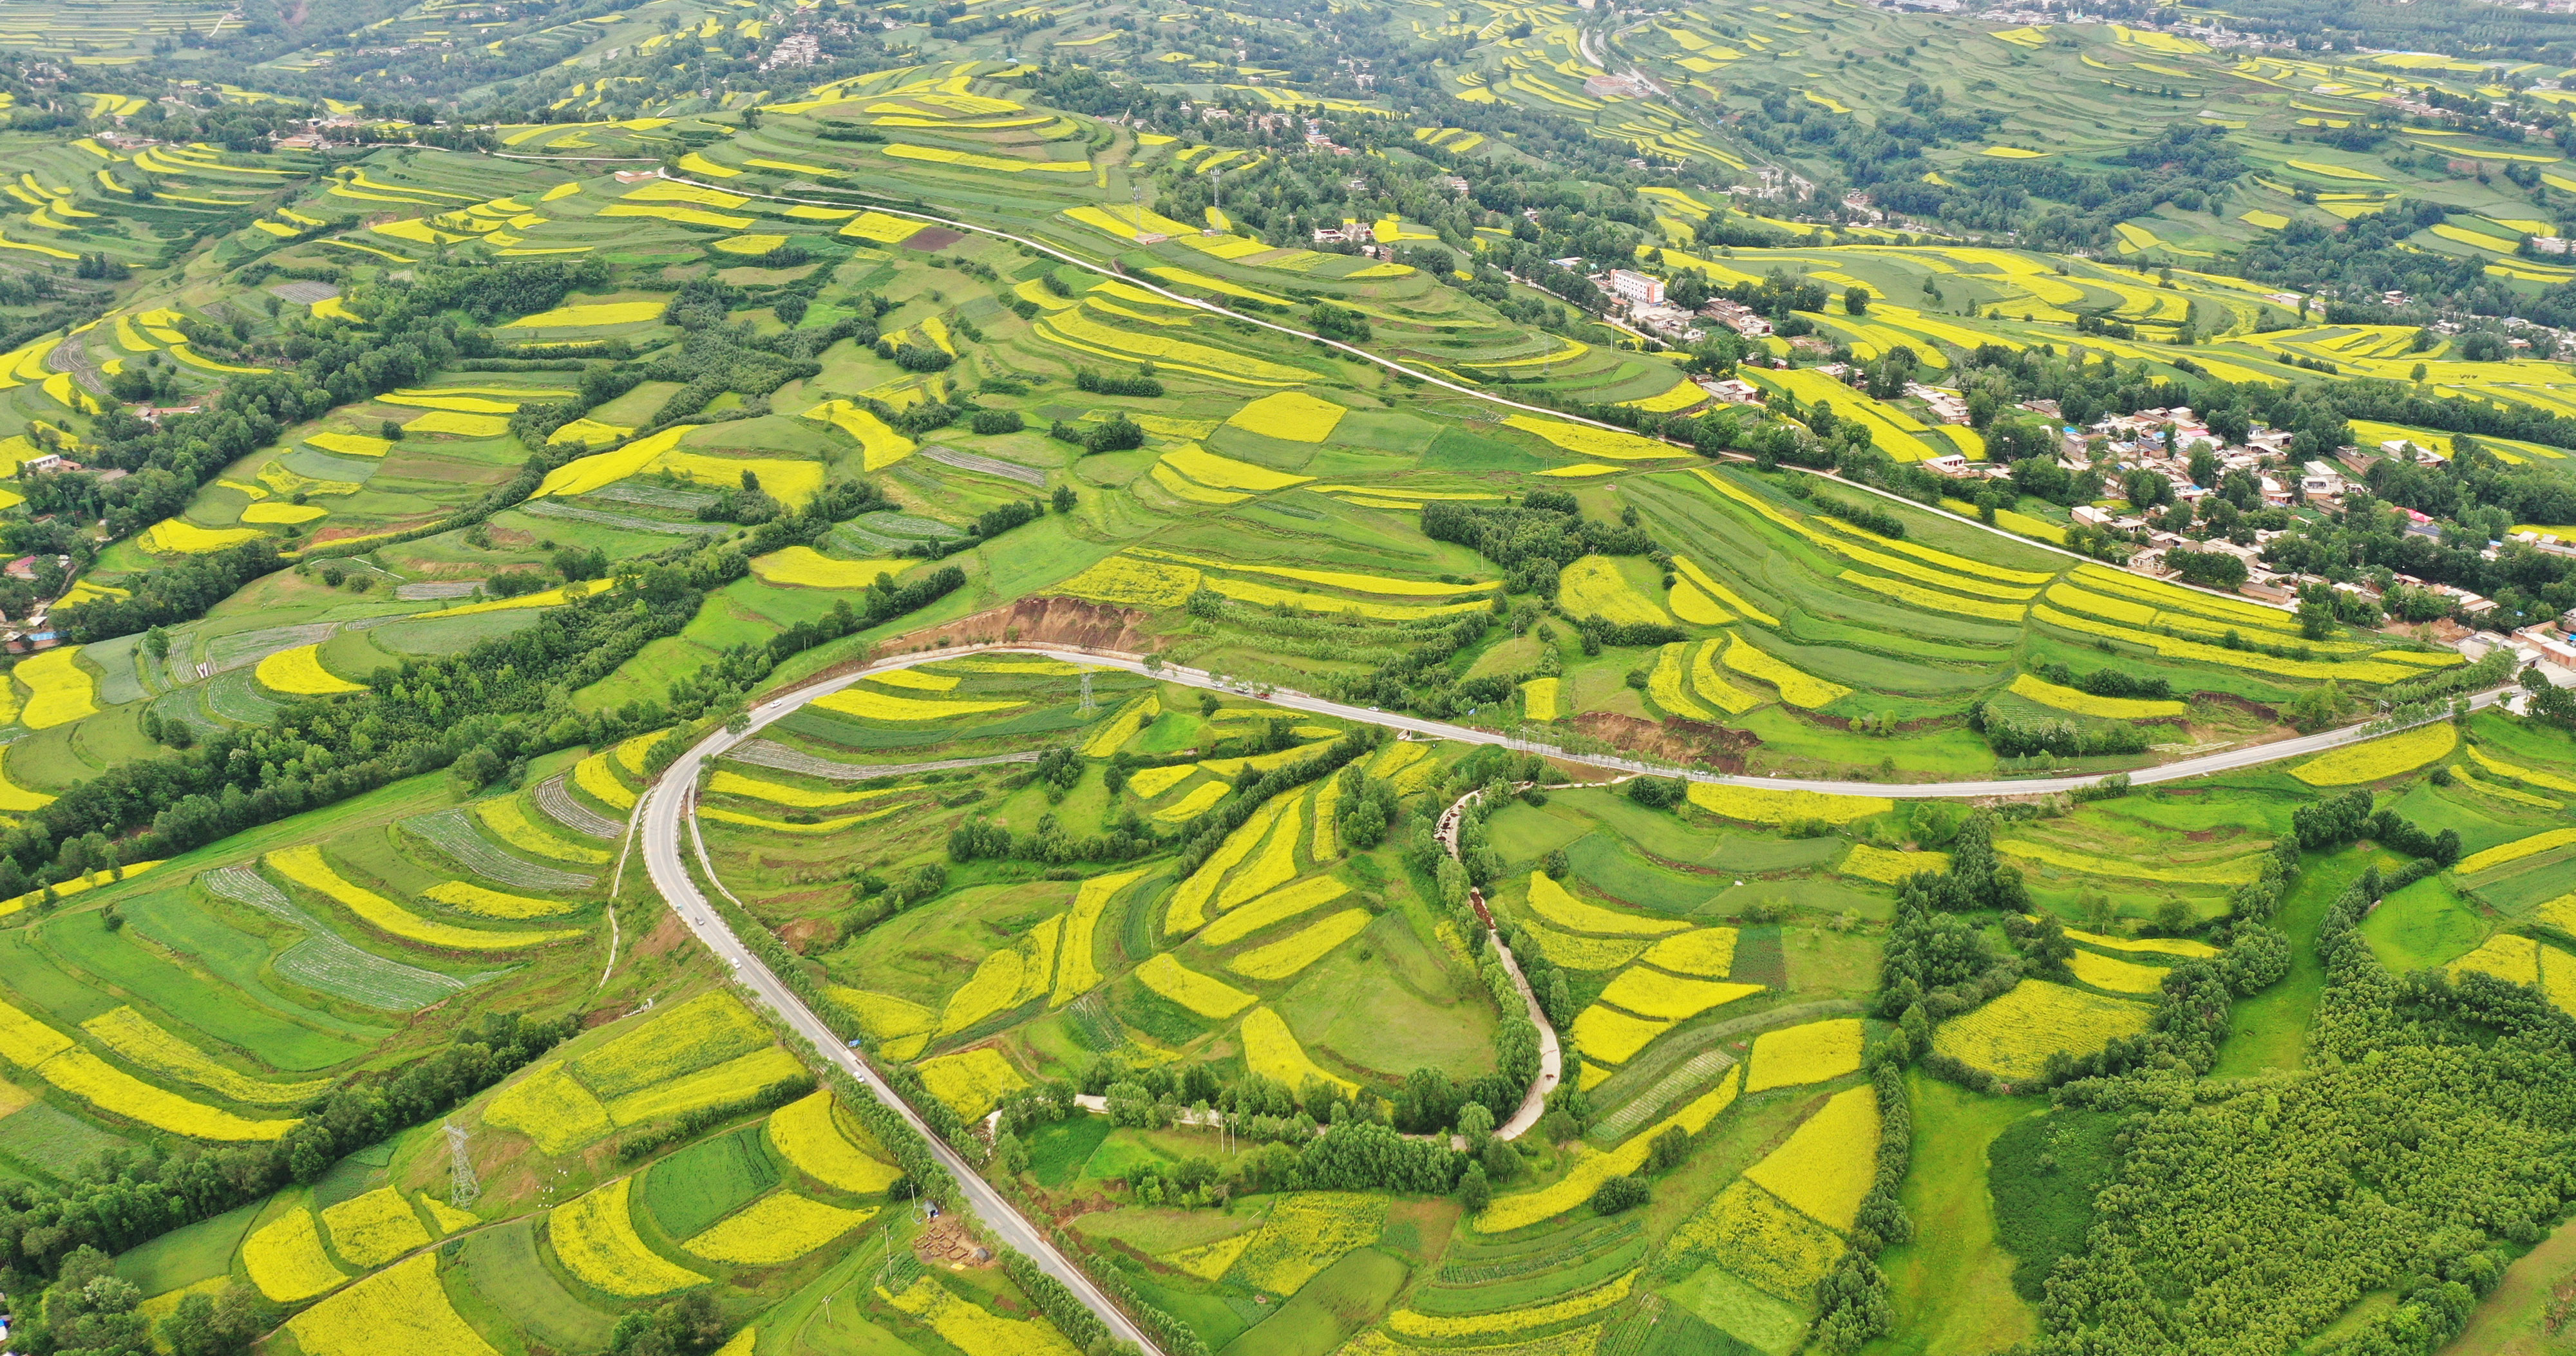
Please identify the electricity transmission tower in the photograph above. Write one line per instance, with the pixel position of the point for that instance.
(463, 1190)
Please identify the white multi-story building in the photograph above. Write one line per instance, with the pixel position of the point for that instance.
(1637, 289)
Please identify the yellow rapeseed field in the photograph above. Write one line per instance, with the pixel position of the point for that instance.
(1278, 906)
(1210, 998)
(1276, 864)
(731, 783)
(1760, 1238)
(375, 1228)
(552, 1108)
(1593, 587)
(1306, 1232)
(977, 1331)
(2483, 759)
(2235, 871)
(475, 899)
(1289, 955)
(594, 1237)
(1652, 993)
(2119, 976)
(119, 1093)
(869, 704)
(1448, 1329)
(1292, 415)
(2013, 1036)
(285, 1259)
(59, 689)
(1797, 687)
(1586, 441)
(1613, 1037)
(805, 567)
(1888, 867)
(1591, 1169)
(1705, 952)
(807, 1134)
(1187, 911)
(506, 819)
(973, 1081)
(1271, 1050)
(1762, 805)
(304, 866)
(402, 1308)
(179, 537)
(1551, 902)
(589, 314)
(1788, 1057)
(2085, 703)
(2516, 850)
(135, 1037)
(2386, 756)
(779, 1227)
(1077, 969)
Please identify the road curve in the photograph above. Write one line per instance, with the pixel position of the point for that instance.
(665, 809)
(666, 814)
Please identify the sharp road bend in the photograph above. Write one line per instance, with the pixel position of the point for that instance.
(668, 818)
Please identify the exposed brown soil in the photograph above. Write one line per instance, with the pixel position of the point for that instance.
(2247, 705)
(1059, 621)
(930, 238)
(807, 933)
(668, 935)
(1674, 741)
(946, 1243)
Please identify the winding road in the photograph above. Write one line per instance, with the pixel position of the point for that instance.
(667, 819)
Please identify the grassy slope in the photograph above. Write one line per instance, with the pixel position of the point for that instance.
(1952, 1286)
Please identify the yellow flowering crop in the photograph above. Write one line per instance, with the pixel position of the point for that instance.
(881, 229)
(1540, 698)
(504, 817)
(971, 1082)
(2497, 766)
(552, 1108)
(2176, 647)
(2236, 612)
(1591, 953)
(732, 1080)
(27, 1042)
(974, 160)
(1276, 865)
(779, 1227)
(1934, 599)
(1275, 907)
(1551, 902)
(2013, 1036)
(1668, 685)
(880, 446)
(2085, 703)
(2235, 871)
(119, 1093)
(1228, 473)
(474, 899)
(867, 704)
(731, 783)
(978, 1331)
(448, 1218)
(1762, 805)
(138, 1039)
(807, 1134)
(304, 866)
(1707, 952)
(1591, 1169)
(1707, 583)
(1446, 1328)
(1123, 727)
(284, 1258)
(592, 774)
(1188, 909)
(1306, 1232)
(59, 689)
(299, 673)
(179, 537)
(1651, 993)
(708, 1029)
(2385, 756)
(884, 1016)
(591, 313)
(1614, 1037)
(1827, 1164)
(1593, 587)
(1291, 954)
(1762, 1240)
(1797, 687)
(1211, 1260)
(1271, 1050)
(1292, 415)
(805, 567)
(1154, 781)
(402, 1308)
(1790, 1056)
(1211, 998)
(1586, 441)
(719, 815)
(2516, 850)
(461, 424)
(2119, 976)
(1130, 582)
(1711, 686)
(594, 1236)
(2162, 946)
(375, 1228)
(995, 985)
(1886, 867)
(1077, 973)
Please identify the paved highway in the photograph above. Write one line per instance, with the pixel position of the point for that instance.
(667, 818)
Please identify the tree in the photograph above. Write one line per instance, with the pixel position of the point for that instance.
(1619, 1194)
(1856, 299)
(1476, 1123)
(205, 1325)
(2317, 708)
(1474, 1191)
